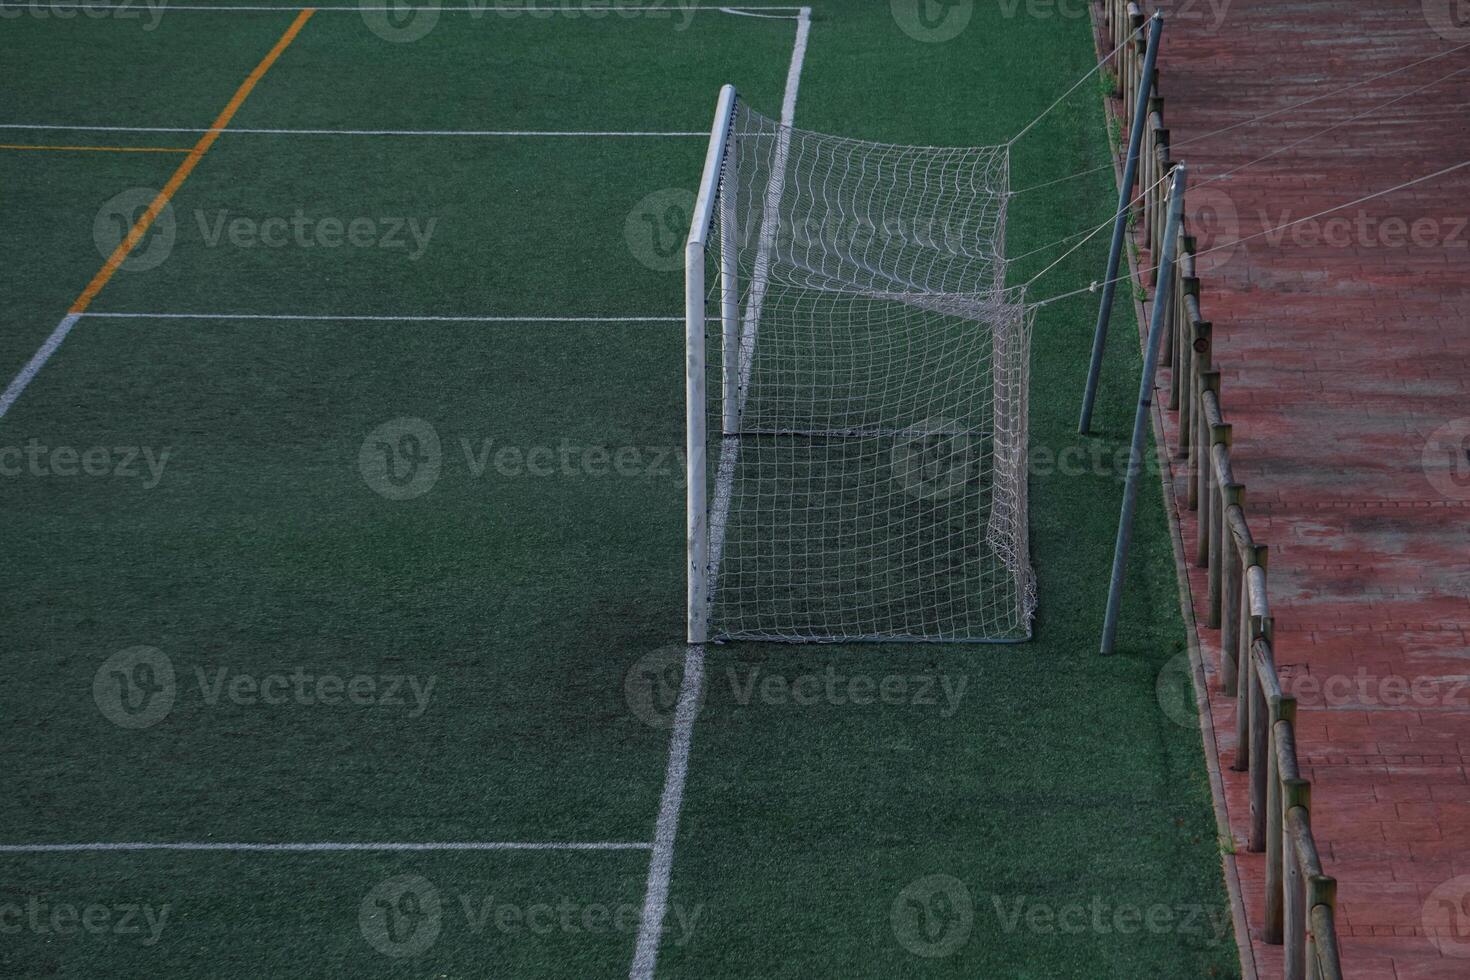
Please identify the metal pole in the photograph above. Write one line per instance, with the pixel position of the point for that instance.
(729, 295)
(695, 502)
(1145, 402)
(695, 392)
(1120, 222)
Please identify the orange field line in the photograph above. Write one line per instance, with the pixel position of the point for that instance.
(98, 149)
(141, 226)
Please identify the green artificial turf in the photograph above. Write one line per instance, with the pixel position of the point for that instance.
(528, 593)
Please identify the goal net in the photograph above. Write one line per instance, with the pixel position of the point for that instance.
(856, 392)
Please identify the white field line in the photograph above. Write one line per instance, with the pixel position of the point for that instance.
(232, 131)
(317, 846)
(407, 318)
(751, 12)
(475, 10)
(661, 862)
(38, 360)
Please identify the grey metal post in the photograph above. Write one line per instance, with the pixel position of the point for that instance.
(1145, 402)
(1120, 222)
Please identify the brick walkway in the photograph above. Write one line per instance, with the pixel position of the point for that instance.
(1343, 356)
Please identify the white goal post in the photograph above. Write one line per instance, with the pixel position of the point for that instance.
(863, 473)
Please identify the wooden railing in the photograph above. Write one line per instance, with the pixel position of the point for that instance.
(1300, 902)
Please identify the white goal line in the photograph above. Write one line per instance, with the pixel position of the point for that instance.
(237, 131)
(661, 860)
(319, 846)
(377, 318)
(483, 9)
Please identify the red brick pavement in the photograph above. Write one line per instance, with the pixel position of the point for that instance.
(1345, 352)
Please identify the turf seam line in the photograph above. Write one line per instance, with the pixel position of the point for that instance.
(318, 846)
(140, 228)
(409, 318)
(529, 133)
(661, 861)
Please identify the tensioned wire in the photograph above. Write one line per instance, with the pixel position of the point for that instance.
(1076, 85)
(1090, 233)
(1257, 118)
(1271, 231)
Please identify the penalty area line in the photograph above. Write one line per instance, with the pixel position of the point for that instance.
(318, 846)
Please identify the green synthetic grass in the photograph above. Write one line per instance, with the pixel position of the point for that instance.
(1052, 778)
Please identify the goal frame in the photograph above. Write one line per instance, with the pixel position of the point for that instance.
(695, 439)
(716, 222)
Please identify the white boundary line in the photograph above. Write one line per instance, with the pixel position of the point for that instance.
(317, 846)
(407, 318)
(661, 862)
(666, 828)
(483, 9)
(38, 360)
(751, 12)
(231, 131)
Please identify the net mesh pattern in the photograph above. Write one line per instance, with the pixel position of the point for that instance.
(866, 380)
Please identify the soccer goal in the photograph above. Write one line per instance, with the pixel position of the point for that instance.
(855, 390)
